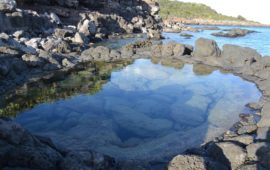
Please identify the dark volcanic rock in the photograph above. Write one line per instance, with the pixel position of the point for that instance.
(19, 149)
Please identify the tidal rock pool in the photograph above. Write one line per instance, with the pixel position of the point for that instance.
(148, 110)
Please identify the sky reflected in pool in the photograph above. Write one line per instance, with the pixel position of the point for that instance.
(148, 110)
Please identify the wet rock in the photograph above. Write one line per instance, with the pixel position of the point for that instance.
(7, 5)
(232, 33)
(227, 153)
(206, 48)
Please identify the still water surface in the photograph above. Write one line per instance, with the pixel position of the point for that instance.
(148, 110)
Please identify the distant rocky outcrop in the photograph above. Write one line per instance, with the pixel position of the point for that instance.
(232, 33)
(176, 27)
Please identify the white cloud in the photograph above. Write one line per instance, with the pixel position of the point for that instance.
(250, 9)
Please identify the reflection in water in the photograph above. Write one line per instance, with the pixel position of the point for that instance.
(88, 81)
(146, 111)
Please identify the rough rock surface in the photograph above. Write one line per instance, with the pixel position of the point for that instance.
(228, 153)
(185, 162)
(206, 48)
(20, 149)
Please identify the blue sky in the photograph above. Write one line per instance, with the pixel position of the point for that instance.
(253, 10)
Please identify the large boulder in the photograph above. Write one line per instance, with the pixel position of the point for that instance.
(19, 149)
(206, 48)
(234, 56)
(7, 5)
(228, 153)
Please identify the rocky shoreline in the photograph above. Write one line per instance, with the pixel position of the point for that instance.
(36, 46)
(237, 148)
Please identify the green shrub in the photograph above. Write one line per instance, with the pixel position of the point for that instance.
(170, 8)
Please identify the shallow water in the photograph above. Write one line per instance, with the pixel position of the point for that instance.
(259, 41)
(144, 111)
